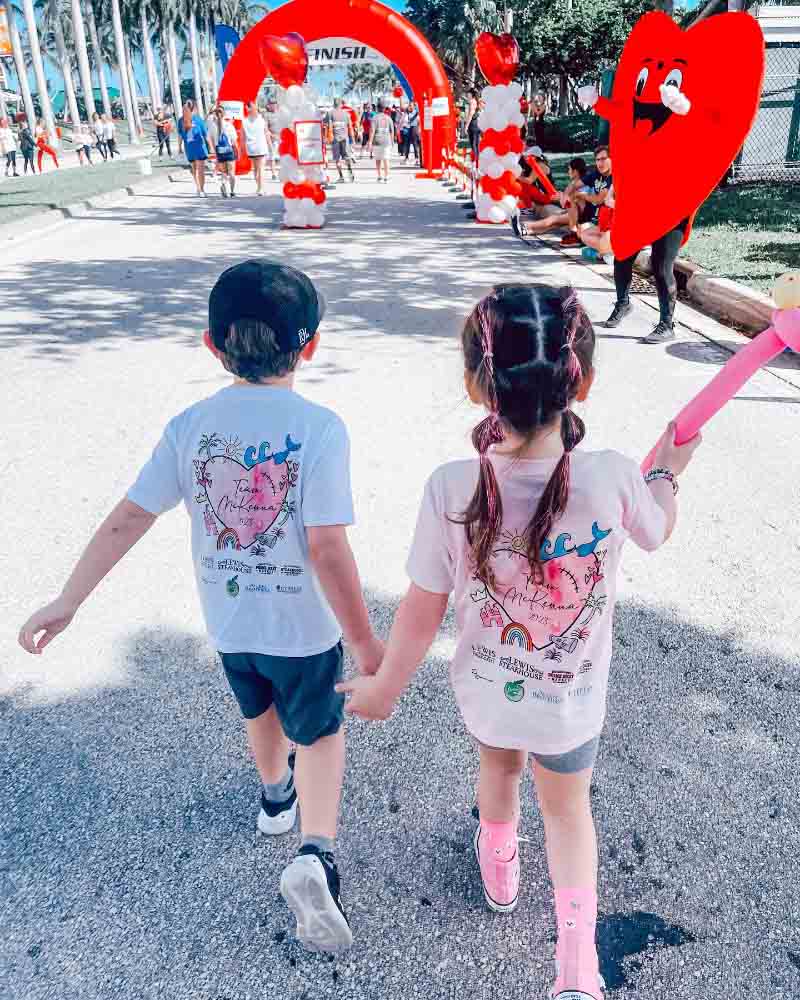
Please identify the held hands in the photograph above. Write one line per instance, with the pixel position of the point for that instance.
(369, 698)
(368, 655)
(52, 619)
(587, 96)
(673, 99)
(673, 456)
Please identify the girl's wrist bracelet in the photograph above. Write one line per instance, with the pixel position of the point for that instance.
(662, 474)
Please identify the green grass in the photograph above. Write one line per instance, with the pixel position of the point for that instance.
(21, 197)
(748, 233)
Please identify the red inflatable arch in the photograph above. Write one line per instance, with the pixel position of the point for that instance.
(366, 21)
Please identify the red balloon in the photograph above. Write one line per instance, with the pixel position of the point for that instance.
(290, 190)
(285, 59)
(498, 57)
(398, 91)
(319, 195)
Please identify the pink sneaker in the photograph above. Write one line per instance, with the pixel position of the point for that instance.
(500, 878)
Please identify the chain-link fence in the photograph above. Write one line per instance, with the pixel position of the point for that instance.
(772, 149)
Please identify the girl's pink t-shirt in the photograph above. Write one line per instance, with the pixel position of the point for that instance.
(531, 665)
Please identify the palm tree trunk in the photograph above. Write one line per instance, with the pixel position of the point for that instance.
(66, 69)
(79, 32)
(38, 69)
(196, 74)
(149, 62)
(174, 70)
(134, 91)
(98, 58)
(19, 64)
(124, 85)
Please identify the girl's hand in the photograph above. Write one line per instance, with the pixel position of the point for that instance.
(672, 456)
(51, 619)
(368, 655)
(369, 698)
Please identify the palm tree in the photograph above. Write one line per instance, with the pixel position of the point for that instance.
(122, 63)
(19, 61)
(452, 27)
(165, 14)
(38, 69)
(79, 41)
(188, 11)
(149, 60)
(99, 56)
(54, 40)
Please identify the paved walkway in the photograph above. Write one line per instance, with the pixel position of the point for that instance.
(129, 866)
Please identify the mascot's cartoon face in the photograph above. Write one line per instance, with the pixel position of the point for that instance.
(682, 106)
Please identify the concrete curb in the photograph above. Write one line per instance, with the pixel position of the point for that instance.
(54, 217)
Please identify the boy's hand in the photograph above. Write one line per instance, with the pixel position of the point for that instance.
(672, 456)
(369, 698)
(368, 655)
(51, 619)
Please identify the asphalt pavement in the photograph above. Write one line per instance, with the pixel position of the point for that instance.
(130, 868)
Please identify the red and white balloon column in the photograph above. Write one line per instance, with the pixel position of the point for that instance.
(285, 59)
(500, 122)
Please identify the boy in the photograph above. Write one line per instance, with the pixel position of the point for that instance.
(265, 477)
(557, 215)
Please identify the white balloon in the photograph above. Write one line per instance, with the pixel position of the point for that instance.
(295, 98)
(495, 169)
(509, 202)
(496, 214)
(516, 118)
(483, 120)
(515, 90)
(317, 217)
(511, 162)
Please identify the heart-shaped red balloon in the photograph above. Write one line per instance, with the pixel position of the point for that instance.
(285, 59)
(498, 57)
(664, 164)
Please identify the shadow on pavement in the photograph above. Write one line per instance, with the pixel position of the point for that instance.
(131, 867)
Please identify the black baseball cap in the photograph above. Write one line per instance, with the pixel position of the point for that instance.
(270, 292)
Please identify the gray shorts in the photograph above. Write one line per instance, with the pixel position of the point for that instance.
(573, 760)
(300, 688)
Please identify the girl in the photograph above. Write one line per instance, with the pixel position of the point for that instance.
(27, 145)
(8, 145)
(529, 538)
(257, 143)
(41, 144)
(223, 137)
(82, 141)
(381, 139)
(109, 128)
(192, 130)
(98, 132)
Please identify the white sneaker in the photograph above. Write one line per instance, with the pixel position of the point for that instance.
(310, 886)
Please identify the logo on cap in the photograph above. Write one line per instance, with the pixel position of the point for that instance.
(303, 336)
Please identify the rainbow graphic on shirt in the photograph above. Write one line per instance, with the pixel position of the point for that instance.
(517, 635)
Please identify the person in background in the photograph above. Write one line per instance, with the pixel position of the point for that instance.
(256, 142)
(366, 127)
(8, 146)
(97, 132)
(163, 129)
(586, 201)
(109, 133)
(222, 136)
(40, 135)
(27, 144)
(341, 131)
(82, 140)
(381, 140)
(272, 116)
(473, 128)
(597, 237)
(192, 129)
(536, 122)
(402, 130)
(412, 137)
(557, 216)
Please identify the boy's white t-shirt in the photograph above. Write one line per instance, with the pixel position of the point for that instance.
(531, 665)
(255, 466)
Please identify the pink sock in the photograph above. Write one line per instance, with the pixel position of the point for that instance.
(500, 839)
(576, 951)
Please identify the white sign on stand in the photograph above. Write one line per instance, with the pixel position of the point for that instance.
(309, 143)
(428, 118)
(233, 109)
(440, 106)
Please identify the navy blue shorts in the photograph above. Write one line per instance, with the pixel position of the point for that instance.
(300, 688)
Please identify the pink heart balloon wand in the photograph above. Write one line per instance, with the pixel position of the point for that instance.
(784, 332)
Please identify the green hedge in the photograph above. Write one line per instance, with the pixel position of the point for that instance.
(571, 134)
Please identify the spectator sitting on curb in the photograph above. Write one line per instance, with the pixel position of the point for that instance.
(588, 199)
(533, 192)
(556, 216)
(597, 238)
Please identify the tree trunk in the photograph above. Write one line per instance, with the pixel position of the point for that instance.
(66, 69)
(79, 32)
(664, 5)
(38, 69)
(19, 64)
(150, 63)
(196, 73)
(134, 91)
(98, 59)
(562, 94)
(174, 70)
(122, 64)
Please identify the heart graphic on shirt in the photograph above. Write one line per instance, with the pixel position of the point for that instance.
(246, 501)
(666, 163)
